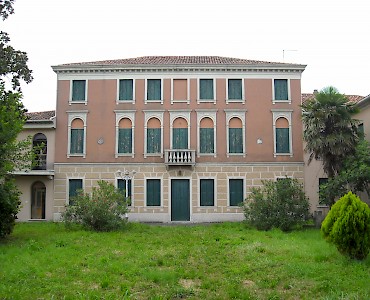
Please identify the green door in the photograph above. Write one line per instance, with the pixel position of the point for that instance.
(180, 200)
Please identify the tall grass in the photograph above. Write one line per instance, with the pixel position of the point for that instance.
(220, 261)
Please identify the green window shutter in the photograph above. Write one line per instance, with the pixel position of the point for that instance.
(236, 193)
(281, 89)
(126, 89)
(153, 192)
(206, 136)
(153, 89)
(153, 140)
(235, 140)
(77, 141)
(282, 140)
(78, 90)
(235, 89)
(74, 186)
(206, 192)
(206, 89)
(125, 140)
(180, 138)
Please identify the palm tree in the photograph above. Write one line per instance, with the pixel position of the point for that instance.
(330, 132)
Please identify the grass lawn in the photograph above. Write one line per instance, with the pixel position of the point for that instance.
(220, 261)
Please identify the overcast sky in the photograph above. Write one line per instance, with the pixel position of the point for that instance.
(330, 36)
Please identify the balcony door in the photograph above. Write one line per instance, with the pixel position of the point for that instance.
(180, 134)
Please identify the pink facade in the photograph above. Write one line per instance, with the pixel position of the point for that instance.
(235, 121)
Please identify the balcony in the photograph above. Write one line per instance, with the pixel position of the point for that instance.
(179, 157)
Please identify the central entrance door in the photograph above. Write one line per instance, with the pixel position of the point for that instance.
(180, 200)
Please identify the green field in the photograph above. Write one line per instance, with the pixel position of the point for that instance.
(218, 261)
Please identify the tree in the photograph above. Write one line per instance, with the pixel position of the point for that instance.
(330, 132)
(354, 176)
(13, 154)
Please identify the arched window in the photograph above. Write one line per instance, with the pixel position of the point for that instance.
(38, 193)
(206, 136)
(153, 136)
(180, 134)
(125, 136)
(77, 137)
(235, 135)
(39, 146)
(282, 140)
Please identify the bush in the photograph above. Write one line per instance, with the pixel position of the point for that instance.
(347, 226)
(9, 206)
(102, 210)
(280, 204)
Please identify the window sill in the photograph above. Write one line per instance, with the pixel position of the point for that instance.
(125, 101)
(180, 101)
(76, 155)
(235, 101)
(207, 154)
(283, 154)
(206, 101)
(125, 155)
(274, 101)
(153, 101)
(70, 102)
(235, 154)
(153, 155)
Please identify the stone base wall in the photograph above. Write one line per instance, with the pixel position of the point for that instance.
(252, 175)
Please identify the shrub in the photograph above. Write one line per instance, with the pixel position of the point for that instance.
(102, 210)
(347, 226)
(9, 206)
(281, 204)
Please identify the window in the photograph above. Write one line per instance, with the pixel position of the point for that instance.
(77, 137)
(78, 90)
(361, 131)
(180, 134)
(154, 91)
(235, 136)
(234, 89)
(180, 90)
(207, 190)
(126, 89)
(206, 89)
(39, 146)
(281, 89)
(121, 185)
(206, 136)
(236, 192)
(74, 186)
(153, 192)
(125, 136)
(154, 136)
(321, 182)
(282, 136)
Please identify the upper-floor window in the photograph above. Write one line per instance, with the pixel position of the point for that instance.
(77, 142)
(126, 90)
(180, 134)
(206, 89)
(234, 89)
(235, 136)
(39, 145)
(125, 136)
(78, 90)
(282, 132)
(154, 89)
(281, 90)
(153, 136)
(180, 91)
(206, 136)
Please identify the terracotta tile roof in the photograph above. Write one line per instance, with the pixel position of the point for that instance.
(177, 60)
(351, 98)
(40, 116)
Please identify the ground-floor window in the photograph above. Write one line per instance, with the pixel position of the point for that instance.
(207, 192)
(74, 186)
(236, 192)
(153, 192)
